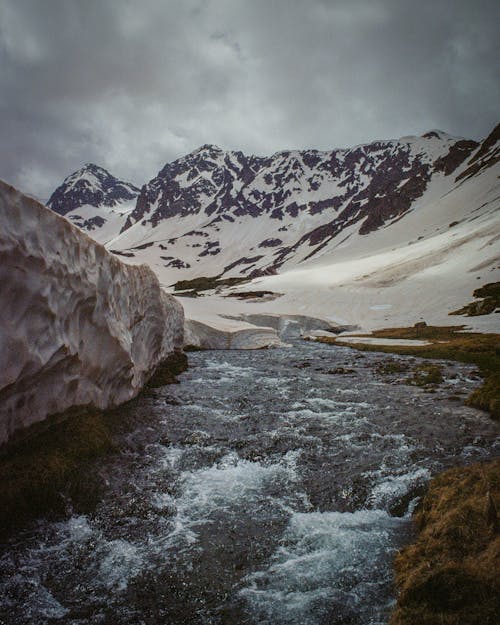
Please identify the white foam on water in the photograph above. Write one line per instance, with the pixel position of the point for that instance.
(210, 412)
(295, 432)
(120, 562)
(111, 564)
(116, 561)
(306, 413)
(346, 391)
(231, 482)
(25, 586)
(78, 529)
(334, 412)
(394, 487)
(229, 486)
(326, 561)
(277, 383)
(401, 438)
(316, 402)
(474, 452)
(43, 603)
(319, 404)
(170, 457)
(351, 440)
(228, 368)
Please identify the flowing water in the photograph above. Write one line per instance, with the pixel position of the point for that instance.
(269, 487)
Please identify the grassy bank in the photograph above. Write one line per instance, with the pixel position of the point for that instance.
(448, 343)
(449, 576)
(49, 469)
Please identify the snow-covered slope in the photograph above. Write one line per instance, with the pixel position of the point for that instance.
(95, 201)
(77, 326)
(214, 212)
(388, 230)
(421, 267)
(394, 279)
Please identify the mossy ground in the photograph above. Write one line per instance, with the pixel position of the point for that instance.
(389, 367)
(167, 371)
(448, 343)
(449, 576)
(45, 469)
(50, 469)
(427, 375)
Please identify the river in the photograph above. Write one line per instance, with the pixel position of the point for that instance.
(267, 488)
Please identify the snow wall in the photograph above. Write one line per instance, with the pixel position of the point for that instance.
(78, 327)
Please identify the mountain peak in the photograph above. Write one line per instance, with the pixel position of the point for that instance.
(90, 185)
(211, 148)
(94, 168)
(437, 134)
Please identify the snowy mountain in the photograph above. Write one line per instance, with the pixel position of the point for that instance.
(95, 201)
(221, 212)
(372, 217)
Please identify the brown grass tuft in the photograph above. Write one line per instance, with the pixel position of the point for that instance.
(449, 575)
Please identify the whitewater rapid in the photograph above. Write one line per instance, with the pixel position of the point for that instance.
(267, 488)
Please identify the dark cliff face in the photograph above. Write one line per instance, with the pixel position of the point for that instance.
(204, 180)
(455, 157)
(91, 185)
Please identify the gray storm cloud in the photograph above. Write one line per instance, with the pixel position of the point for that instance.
(132, 84)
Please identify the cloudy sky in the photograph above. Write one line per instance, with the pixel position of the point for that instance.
(132, 84)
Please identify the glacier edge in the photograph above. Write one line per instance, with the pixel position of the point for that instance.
(78, 327)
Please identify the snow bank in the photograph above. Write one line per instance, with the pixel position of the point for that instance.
(292, 326)
(375, 341)
(77, 326)
(209, 330)
(206, 328)
(210, 335)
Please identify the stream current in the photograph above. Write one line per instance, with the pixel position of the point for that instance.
(267, 488)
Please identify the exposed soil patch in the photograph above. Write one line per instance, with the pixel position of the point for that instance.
(253, 294)
(206, 283)
(489, 302)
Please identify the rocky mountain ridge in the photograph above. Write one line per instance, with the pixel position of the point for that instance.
(92, 185)
(216, 212)
(218, 182)
(95, 201)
